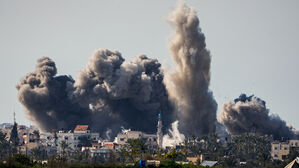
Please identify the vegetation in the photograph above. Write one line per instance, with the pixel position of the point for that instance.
(84, 141)
(4, 147)
(14, 138)
(38, 153)
(250, 148)
(36, 135)
(133, 151)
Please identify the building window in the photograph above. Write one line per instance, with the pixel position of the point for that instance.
(275, 155)
(66, 138)
(285, 148)
(296, 144)
(121, 139)
(275, 148)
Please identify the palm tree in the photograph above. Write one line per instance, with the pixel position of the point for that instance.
(254, 148)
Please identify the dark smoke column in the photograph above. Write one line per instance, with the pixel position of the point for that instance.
(188, 86)
(45, 98)
(250, 114)
(108, 94)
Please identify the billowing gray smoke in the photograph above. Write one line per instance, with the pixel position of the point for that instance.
(45, 98)
(188, 86)
(109, 93)
(250, 114)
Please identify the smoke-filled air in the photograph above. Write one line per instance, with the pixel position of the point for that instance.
(250, 114)
(112, 93)
(188, 85)
(109, 93)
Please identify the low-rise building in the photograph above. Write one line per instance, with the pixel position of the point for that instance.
(25, 134)
(72, 138)
(149, 139)
(26, 148)
(279, 150)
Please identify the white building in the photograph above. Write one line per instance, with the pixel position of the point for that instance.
(150, 139)
(73, 138)
(84, 130)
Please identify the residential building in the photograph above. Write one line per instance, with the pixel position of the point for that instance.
(26, 148)
(150, 139)
(68, 138)
(73, 138)
(84, 130)
(25, 134)
(279, 150)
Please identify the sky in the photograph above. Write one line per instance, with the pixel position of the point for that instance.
(254, 44)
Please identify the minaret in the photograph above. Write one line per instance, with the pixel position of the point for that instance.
(159, 131)
(14, 116)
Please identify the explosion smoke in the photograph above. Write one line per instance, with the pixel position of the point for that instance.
(188, 86)
(108, 94)
(111, 92)
(250, 114)
(174, 137)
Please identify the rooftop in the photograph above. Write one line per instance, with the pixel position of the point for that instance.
(82, 128)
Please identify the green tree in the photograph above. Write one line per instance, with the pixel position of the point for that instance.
(294, 153)
(19, 160)
(36, 135)
(63, 145)
(84, 141)
(14, 138)
(134, 150)
(123, 154)
(38, 153)
(206, 144)
(253, 149)
(57, 162)
(4, 146)
(175, 155)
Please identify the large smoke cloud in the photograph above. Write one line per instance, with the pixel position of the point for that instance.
(109, 93)
(250, 114)
(188, 86)
(45, 98)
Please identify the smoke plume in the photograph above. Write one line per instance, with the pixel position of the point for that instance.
(250, 114)
(188, 86)
(173, 137)
(45, 97)
(109, 93)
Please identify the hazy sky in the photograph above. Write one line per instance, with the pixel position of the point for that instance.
(254, 44)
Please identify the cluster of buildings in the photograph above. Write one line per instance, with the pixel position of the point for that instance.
(80, 139)
(83, 139)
